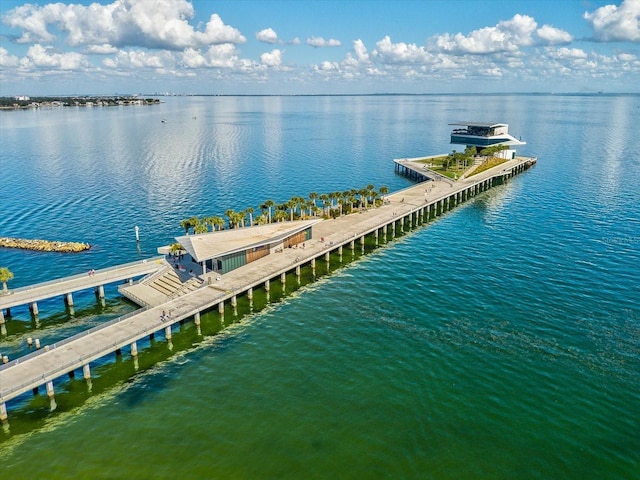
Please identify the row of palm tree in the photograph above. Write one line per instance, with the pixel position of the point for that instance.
(469, 153)
(326, 204)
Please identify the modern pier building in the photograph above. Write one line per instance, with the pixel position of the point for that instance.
(484, 135)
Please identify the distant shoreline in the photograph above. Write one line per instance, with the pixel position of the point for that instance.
(24, 102)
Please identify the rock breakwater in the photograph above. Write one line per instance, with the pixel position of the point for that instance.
(43, 245)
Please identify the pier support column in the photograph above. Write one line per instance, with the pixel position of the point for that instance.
(249, 294)
(327, 259)
(298, 271)
(352, 245)
(50, 391)
(167, 332)
(134, 349)
(266, 285)
(3, 412)
(393, 229)
(234, 301)
(100, 291)
(221, 307)
(1, 317)
(34, 308)
(375, 236)
(384, 232)
(283, 279)
(68, 299)
(313, 266)
(362, 243)
(197, 321)
(86, 372)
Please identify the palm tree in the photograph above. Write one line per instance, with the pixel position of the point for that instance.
(200, 228)
(313, 197)
(374, 196)
(334, 196)
(218, 222)
(383, 191)
(261, 220)
(268, 204)
(186, 224)
(239, 219)
(280, 216)
(300, 203)
(291, 205)
(370, 189)
(230, 214)
(311, 206)
(324, 198)
(5, 276)
(209, 221)
(469, 153)
(250, 211)
(363, 197)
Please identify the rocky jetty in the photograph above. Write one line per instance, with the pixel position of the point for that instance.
(43, 245)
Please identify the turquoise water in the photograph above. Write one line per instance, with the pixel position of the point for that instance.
(501, 341)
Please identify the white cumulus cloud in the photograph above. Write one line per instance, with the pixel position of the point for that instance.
(553, 36)
(318, 42)
(361, 51)
(507, 36)
(272, 58)
(616, 23)
(47, 57)
(7, 60)
(137, 23)
(104, 49)
(268, 35)
(138, 59)
(388, 52)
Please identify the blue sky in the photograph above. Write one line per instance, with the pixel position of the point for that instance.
(319, 47)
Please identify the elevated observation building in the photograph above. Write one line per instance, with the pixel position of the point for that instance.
(485, 135)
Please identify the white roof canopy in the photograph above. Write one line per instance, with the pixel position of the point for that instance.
(224, 242)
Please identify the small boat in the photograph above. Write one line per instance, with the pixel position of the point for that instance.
(163, 121)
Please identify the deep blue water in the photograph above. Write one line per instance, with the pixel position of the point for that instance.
(501, 341)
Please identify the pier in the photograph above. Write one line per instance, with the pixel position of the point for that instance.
(65, 287)
(401, 211)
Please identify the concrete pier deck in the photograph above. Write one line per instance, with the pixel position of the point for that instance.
(53, 361)
(74, 283)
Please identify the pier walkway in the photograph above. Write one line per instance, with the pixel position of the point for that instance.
(65, 286)
(413, 206)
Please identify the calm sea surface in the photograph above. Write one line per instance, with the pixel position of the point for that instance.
(500, 341)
